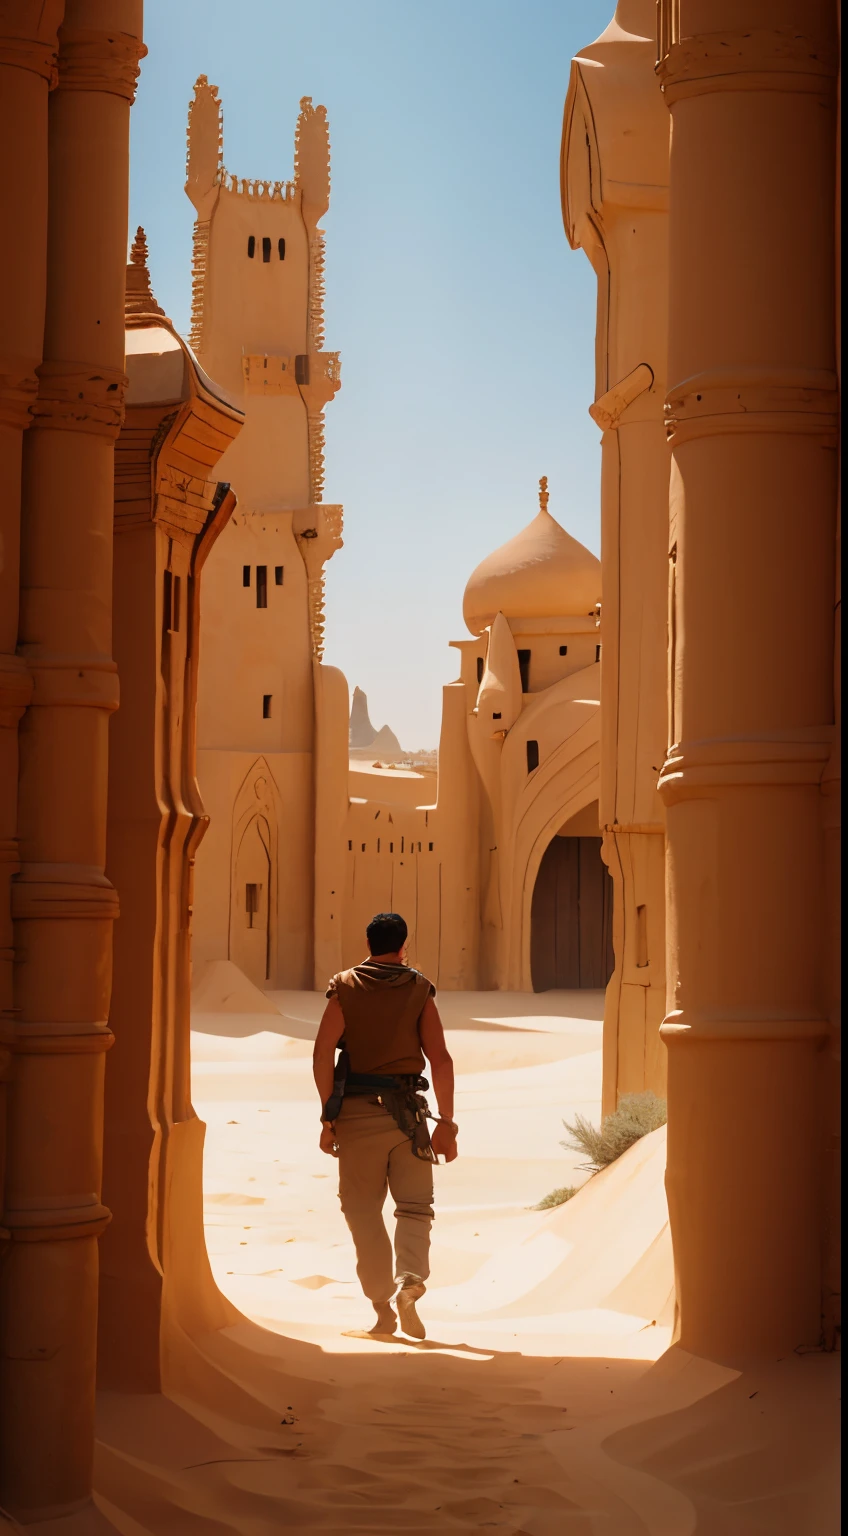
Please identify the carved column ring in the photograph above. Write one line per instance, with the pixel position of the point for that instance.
(760, 59)
(28, 53)
(80, 397)
(99, 61)
(778, 399)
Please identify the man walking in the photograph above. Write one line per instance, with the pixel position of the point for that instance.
(374, 1117)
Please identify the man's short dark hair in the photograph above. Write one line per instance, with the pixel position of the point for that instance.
(386, 933)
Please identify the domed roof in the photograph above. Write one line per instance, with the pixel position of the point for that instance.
(541, 573)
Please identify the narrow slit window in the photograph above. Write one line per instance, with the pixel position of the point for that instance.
(480, 669)
(251, 903)
(176, 606)
(430, 847)
(524, 669)
(350, 847)
(641, 937)
(251, 246)
(597, 653)
(245, 575)
(281, 249)
(266, 248)
(532, 756)
(563, 650)
(278, 575)
(262, 586)
(167, 600)
(266, 706)
(301, 368)
(363, 847)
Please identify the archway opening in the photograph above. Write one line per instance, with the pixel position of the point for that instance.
(571, 915)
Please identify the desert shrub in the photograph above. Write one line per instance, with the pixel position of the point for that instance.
(556, 1197)
(636, 1116)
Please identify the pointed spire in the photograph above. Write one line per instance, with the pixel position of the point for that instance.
(543, 494)
(138, 254)
(140, 307)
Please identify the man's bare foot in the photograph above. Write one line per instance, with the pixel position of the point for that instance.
(406, 1298)
(386, 1319)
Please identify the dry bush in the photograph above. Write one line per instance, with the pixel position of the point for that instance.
(637, 1115)
(556, 1197)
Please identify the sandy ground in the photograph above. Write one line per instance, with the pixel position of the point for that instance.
(545, 1399)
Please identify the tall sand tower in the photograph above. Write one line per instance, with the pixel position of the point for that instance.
(258, 329)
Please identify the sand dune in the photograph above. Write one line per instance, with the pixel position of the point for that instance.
(544, 1401)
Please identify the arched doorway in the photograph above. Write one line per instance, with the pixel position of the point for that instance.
(571, 917)
(250, 929)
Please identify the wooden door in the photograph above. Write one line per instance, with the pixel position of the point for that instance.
(571, 917)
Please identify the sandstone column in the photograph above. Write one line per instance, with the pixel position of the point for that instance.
(62, 903)
(615, 207)
(28, 44)
(751, 415)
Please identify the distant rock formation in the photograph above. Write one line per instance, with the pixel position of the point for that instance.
(383, 743)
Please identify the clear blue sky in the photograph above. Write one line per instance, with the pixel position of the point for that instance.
(464, 321)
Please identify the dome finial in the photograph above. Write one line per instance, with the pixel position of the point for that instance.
(543, 494)
(138, 254)
(140, 307)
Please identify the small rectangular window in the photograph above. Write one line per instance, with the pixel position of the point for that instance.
(266, 248)
(350, 847)
(496, 714)
(597, 653)
(281, 249)
(524, 669)
(266, 706)
(363, 847)
(278, 575)
(480, 669)
(532, 756)
(245, 575)
(251, 246)
(262, 586)
(301, 368)
(251, 903)
(391, 847)
(176, 616)
(563, 650)
(430, 847)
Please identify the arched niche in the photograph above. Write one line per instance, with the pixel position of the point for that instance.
(254, 876)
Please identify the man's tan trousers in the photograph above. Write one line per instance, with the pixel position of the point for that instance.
(375, 1156)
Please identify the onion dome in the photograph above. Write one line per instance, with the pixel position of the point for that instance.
(540, 574)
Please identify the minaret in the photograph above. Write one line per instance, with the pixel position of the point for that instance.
(258, 329)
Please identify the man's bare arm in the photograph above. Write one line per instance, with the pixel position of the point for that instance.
(441, 1062)
(441, 1070)
(330, 1032)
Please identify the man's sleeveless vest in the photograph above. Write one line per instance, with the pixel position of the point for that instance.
(382, 1005)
